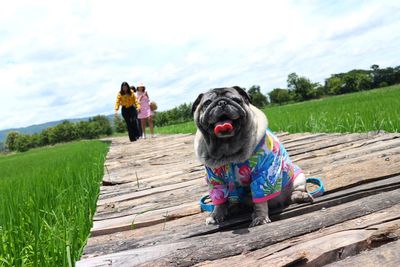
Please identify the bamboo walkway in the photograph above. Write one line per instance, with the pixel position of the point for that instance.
(148, 214)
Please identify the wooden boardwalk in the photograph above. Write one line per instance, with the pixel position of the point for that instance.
(148, 214)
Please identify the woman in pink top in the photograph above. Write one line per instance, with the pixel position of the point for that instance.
(145, 111)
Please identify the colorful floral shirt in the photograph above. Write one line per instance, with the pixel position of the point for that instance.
(264, 175)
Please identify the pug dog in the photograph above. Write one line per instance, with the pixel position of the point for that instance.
(242, 157)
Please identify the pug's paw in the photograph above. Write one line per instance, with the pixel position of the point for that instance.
(210, 220)
(213, 219)
(260, 221)
(301, 197)
(218, 215)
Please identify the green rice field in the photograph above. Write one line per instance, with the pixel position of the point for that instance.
(365, 111)
(48, 195)
(47, 201)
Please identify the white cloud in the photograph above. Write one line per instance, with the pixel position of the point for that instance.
(63, 59)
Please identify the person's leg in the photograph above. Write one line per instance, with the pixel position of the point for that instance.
(139, 124)
(134, 118)
(127, 117)
(143, 122)
(151, 125)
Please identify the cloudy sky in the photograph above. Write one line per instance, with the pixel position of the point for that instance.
(67, 59)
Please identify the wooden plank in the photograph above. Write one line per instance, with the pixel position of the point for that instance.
(317, 140)
(151, 191)
(119, 157)
(126, 172)
(226, 244)
(282, 134)
(358, 148)
(173, 231)
(142, 237)
(118, 145)
(387, 255)
(303, 138)
(153, 173)
(157, 201)
(323, 202)
(182, 170)
(147, 174)
(127, 160)
(144, 219)
(358, 166)
(331, 168)
(318, 249)
(123, 220)
(363, 164)
(163, 180)
(373, 165)
(333, 141)
(127, 197)
(361, 153)
(291, 136)
(161, 201)
(132, 258)
(119, 193)
(347, 173)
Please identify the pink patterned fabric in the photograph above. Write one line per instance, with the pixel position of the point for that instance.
(145, 110)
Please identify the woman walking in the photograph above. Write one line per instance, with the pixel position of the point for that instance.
(138, 122)
(127, 99)
(145, 111)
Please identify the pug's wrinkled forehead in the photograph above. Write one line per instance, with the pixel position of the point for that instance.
(228, 92)
(219, 92)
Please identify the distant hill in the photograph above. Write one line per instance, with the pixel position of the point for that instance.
(37, 128)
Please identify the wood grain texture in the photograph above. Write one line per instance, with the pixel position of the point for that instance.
(147, 212)
(227, 244)
(387, 255)
(194, 226)
(290, 247)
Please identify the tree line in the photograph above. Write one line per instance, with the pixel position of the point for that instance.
(64, 132)
(300, 88)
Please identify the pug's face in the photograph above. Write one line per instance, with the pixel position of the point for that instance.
(223, 117)
(220, 112)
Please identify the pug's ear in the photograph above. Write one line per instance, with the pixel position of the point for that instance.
(196, 103)
(243, 93)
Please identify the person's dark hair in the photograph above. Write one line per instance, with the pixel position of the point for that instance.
(133, 89)
(122, 90)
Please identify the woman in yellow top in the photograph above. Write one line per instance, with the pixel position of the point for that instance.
(127, 99)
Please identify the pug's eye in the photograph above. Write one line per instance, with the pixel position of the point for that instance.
(206, 103)
(237, 100)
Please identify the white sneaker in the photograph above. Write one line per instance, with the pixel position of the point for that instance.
(153, 136)
(143, 136)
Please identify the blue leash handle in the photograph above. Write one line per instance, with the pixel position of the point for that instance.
(209, 207)
(318, 182)
(206, 206)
